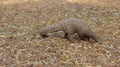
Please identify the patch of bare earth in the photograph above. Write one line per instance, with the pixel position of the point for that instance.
(20, 21)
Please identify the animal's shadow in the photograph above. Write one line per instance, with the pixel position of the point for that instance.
(61, 34)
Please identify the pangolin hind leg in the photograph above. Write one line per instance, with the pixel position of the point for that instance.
(66, 36)
(69, 37)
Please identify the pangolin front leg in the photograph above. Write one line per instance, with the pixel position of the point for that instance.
(69, 37)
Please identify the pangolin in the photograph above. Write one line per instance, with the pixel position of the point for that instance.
(71, 26)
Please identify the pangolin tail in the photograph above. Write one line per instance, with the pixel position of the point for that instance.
(51, 28)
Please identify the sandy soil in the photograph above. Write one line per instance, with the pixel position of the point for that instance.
(20, 21)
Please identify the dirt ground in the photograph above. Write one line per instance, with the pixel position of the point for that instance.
(20, 45)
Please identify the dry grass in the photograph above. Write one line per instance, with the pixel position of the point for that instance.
(20, 20)
(108, 3)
